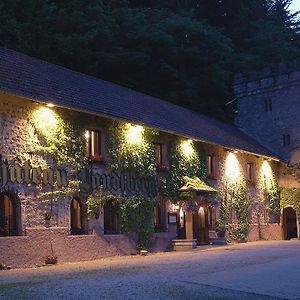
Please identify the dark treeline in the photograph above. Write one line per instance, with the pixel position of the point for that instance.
(184, 51)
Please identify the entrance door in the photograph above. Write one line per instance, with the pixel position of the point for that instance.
(181, 230)
(7, 216)
(200, 226)
(289, 223)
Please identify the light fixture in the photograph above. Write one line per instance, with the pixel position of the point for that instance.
(134, 134)
(187, 147)
(50, 105)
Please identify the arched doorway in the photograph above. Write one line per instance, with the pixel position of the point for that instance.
(76, 217)
(9, 215)
(289, 223)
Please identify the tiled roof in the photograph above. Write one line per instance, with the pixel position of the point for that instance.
(41, 81)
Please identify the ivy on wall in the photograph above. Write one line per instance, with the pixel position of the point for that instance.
(60, 139)
(135, 157)
(181, 165)
(136, 214)
(290, 197)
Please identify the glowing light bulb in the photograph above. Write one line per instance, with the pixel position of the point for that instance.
(134, 134)
(45, 120)
(187, 147)
(232, 168)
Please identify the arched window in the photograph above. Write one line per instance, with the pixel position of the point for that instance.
(8, 216)
(76, 217)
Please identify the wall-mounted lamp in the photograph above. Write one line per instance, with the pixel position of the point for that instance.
(50, 105)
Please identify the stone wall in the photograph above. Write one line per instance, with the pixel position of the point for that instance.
(268, 127)
(40, 237)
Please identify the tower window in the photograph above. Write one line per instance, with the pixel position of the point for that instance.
(268, 105)
(286, 140)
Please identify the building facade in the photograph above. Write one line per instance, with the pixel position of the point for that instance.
(268, 110)
(90, 169)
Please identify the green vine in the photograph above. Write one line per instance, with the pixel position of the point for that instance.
(134, 157)
(241, 204)
(181, 165)
(137, 217)
(290, 197)
(60, 139)
(136, 214)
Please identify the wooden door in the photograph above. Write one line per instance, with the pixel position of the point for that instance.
(200, 226)
(7, 217)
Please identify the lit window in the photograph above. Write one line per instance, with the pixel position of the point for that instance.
(161, 156)
(159, 216)
(93, 144)
(286, 140)
(211, 166)
(250, 172)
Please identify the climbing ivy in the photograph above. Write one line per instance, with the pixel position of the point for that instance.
(181, 165)
(135, 157)
(136, 214)
(60, 139)
(290, 197)
(241, 204)
(137, 217)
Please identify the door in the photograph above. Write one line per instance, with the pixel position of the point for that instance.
(200, 226)
(289, 223)
(7, 216)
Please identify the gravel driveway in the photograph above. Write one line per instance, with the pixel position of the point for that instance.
(260, 270)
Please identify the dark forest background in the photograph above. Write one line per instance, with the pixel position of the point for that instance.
(183, 51)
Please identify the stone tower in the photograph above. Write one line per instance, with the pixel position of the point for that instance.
(269, 109)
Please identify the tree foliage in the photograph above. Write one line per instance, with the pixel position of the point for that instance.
(184, 51)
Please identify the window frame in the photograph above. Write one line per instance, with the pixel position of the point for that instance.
(98, 153)
(162, 163)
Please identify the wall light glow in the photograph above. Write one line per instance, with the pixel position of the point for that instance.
(45, 120)
(187, 147)
(232, 168)
(267, 174)
(87, 134)
(50, 105)
(134, 134)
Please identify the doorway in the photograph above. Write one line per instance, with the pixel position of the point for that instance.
(200, 226)
(289, 223)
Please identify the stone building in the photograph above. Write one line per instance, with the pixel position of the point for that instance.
(268, 110)
(82, 160)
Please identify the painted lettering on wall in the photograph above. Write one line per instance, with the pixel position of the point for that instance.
(126, 183)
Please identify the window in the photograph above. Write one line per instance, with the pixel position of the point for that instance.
(94, 144)
(268, 105)
(8, 220)
(76, 217)
(159, 216)
(286, 140)
(111, 218)
(211, 167)
(250, 173)
(161, 156)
